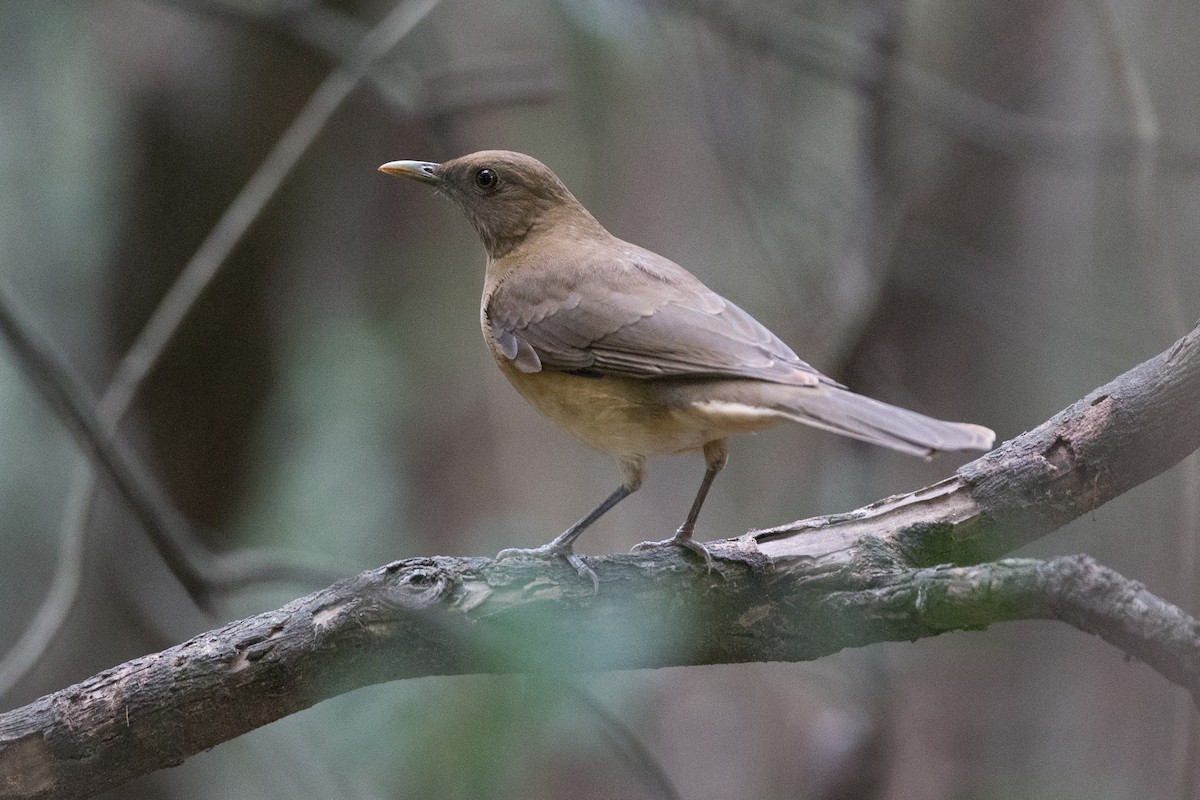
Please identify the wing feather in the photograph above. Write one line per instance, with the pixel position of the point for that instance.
(637, 315)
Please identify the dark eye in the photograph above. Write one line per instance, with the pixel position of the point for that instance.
(486, 178)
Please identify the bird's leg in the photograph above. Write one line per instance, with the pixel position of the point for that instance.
(633, 470)
(716, 453)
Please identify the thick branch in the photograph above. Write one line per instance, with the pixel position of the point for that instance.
(449, 616)
(793, 593)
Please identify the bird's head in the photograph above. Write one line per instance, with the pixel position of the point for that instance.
(506, 196)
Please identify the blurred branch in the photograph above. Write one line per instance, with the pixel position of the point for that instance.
(509, 79)
(66, 393)
(314, 25)
(1129, 84)
(48, 620)
(829, 52)
(628, 747)
(245, 209)
(906, 567)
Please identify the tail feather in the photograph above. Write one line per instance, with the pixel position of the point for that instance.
(839, 410)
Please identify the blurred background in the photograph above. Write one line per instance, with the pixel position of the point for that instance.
(978, 210)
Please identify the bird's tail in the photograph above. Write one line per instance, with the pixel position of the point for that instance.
(836, 409)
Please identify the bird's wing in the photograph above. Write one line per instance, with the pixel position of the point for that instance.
(634, 315)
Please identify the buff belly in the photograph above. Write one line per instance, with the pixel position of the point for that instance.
(627, 417)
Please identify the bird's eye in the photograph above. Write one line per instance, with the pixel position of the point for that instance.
(486, 178)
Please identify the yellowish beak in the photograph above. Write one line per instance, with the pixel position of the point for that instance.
(422, 171)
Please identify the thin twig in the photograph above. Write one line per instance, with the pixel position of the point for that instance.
(199, 571)
(65, 392)
(1129, 83)
(48, 620)
(507, 79)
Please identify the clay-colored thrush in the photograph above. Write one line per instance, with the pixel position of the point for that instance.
(632, 353)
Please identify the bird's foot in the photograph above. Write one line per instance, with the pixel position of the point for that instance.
(682, 538)
(553, 551)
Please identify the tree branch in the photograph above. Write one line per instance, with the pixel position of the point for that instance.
(453, 616)
(792, 593)
(1071, 589)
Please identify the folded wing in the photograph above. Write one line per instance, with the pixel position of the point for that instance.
(639, 316)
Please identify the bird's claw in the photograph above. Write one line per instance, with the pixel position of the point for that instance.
(550, 552)
(682, 539)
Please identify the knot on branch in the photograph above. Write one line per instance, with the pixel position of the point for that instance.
(417, 583)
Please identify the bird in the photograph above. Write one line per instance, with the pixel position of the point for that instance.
(632, 354)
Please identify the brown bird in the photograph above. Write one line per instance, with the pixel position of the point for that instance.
(630, 352)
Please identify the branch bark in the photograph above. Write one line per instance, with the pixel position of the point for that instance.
(906, 567)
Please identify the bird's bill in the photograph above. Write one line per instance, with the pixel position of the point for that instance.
(422, 171)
